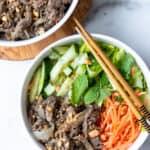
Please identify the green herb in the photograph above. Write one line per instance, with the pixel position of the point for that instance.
(125, 65)
(92, 95)
(94, 69)
(79, 85)
(104, 93)
(104, 82)
(117, 56)
(118, 99)
(99, 92)
(145, 99)
(137, 80)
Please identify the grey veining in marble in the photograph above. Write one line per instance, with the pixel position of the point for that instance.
(126, 20)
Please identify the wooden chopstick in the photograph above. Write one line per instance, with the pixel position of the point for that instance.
(109, 70)
(114, 70)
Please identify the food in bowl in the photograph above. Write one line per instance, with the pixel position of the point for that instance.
(73, 105)
(25, 19)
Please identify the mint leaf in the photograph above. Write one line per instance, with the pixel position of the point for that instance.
(104, 81)
(80, 84)
(137, 80)
(92, 95)
(99, 92)
(125, 65)
(95, 66)
(104, 93)
(117, 56)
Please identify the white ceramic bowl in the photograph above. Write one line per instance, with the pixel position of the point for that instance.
(46, 34)
(142, 137)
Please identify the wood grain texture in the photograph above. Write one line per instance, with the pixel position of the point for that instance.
(30, 51)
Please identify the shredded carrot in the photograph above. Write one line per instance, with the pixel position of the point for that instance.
(118, 125)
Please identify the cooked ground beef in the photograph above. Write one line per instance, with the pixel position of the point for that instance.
(58, 125)
(24, 19)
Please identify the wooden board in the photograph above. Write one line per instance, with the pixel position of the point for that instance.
(30, 51)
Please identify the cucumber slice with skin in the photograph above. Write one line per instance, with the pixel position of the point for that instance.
(35, 85)
(65, 87)
(54, 55)
(84, 48)
(81, 69)
(62, 62)
(61, 79)
(42, 79)
(61, 50)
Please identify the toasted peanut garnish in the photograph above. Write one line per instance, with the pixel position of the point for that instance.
(4, 18)
(17, 9)
(8, 37)
(10, 1)
(88, 61)
(37, 97)
(93, 133)
(41, 31)
(49, 148)
(45, 127)
(49, 109)
(103, 137)
(40, 106)
(59, 143)
(35, 13)
(57, 88)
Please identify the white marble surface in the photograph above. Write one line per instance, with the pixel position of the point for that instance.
(127, 20)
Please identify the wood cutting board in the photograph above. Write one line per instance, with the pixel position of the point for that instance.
(30, 51)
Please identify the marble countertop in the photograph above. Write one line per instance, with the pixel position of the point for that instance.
(127, 20)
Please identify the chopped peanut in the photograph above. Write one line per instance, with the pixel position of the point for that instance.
(88, 61)
(57, 88)
(41, 31)
(49, 109)
(103, 137)
(49, 148)
(93, 133)
(35, 13)
(17, 9)
(10, 1)
(4, 18)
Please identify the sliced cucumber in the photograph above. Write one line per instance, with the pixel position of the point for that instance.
(61, 79)
(80, 60)
(42, 79)
(84, 48)
(65, 87)
(62, 62)
(61, 50)
(54, 55)
(35, 85)
(67, 71)
(81, 70)
(49, 89)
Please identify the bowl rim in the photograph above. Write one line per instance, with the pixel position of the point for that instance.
(49, 32)
(143, 135)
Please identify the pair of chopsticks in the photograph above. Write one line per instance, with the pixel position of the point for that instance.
(142, 114)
